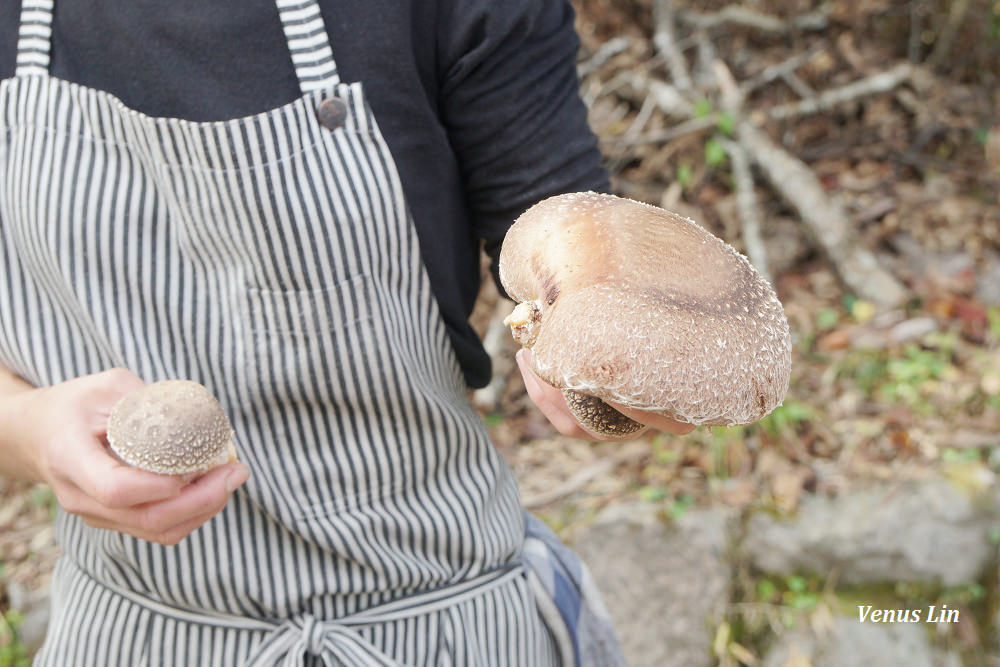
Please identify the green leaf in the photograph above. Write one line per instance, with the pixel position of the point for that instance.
(702, 108)
(952, 455)
(652, 494)
(804, 601)
(680, 506)
(493, 419)
(827, 318)
(726, 124)
(796, 583)
(993, 316)
(684, 175)
(766, 590)
(715, 154)
(667, 456)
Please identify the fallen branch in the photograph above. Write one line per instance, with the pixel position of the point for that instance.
(641, 118)
(779, 70)
(611, 87)
(668, 98)
(748, 18)
(682, 129)
(800, 87)
(877, 83)
(731, 99)
(497, 334)
(945, 40)
(730, 95)
(914, 44)
(706, 56)
(665, 42)
(825, 219)
(748, 207)
(634, 130)
(791, 178)
(606, 52)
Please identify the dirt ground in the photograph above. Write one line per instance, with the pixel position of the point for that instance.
(892, 108)
(877, 391)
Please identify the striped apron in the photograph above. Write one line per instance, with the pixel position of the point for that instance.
(273, 259)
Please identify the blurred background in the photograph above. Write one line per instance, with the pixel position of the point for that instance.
(851, 149)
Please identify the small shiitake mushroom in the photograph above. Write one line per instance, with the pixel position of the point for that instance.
(173, 427)
(625, 302)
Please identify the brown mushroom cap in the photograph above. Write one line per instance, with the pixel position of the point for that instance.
(174, 427)
(629, 303)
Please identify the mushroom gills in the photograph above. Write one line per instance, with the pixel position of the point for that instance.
(599, 417)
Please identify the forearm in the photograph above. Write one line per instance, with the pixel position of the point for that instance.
(15, 458)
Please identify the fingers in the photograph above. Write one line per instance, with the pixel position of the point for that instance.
(66, 426)
(208, 492)
(550, 401)
(115, 485)
(653, 420)
(103, 390)
(171, 520)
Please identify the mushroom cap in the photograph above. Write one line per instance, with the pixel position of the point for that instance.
(640, 306)
(173, 427)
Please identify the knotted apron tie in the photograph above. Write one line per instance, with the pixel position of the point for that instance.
(333, 642)
(336, 643)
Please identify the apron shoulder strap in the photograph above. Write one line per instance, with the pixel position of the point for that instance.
(305, 31)
(308, 43)
(35, 38)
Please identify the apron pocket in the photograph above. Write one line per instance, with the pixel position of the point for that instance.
(308, 347)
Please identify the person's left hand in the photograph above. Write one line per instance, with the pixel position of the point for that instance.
(550, 401)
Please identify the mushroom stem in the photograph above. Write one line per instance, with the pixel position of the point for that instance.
(523, 322)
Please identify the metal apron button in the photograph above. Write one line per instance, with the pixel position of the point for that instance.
(332, 113)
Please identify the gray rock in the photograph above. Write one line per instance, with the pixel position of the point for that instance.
(929, 531)
(850, 643)
(988, 283)
(994, 638)
(666, 585)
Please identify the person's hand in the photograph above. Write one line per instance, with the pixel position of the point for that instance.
(63, 429)
(550, 401)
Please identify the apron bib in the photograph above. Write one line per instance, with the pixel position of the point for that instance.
(273, 259)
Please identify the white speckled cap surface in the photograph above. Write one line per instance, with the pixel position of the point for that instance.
(643, 307)
(174, 427)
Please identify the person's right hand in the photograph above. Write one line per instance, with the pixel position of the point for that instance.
(550, 401)
(62, 430)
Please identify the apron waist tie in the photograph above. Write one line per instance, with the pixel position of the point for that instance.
(334, 642)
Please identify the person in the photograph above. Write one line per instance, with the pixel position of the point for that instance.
(284, 201)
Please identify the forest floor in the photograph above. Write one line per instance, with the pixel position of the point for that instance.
(878, 390)
(892, 108)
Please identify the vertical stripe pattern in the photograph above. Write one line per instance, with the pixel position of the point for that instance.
(308, 44)
(273, 260)
(34, 37)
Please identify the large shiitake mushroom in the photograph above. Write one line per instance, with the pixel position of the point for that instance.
(625, 302)
(173, 427)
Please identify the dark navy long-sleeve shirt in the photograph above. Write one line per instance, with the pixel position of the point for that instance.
(477, 100)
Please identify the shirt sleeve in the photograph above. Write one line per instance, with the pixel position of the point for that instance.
(509, 98)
